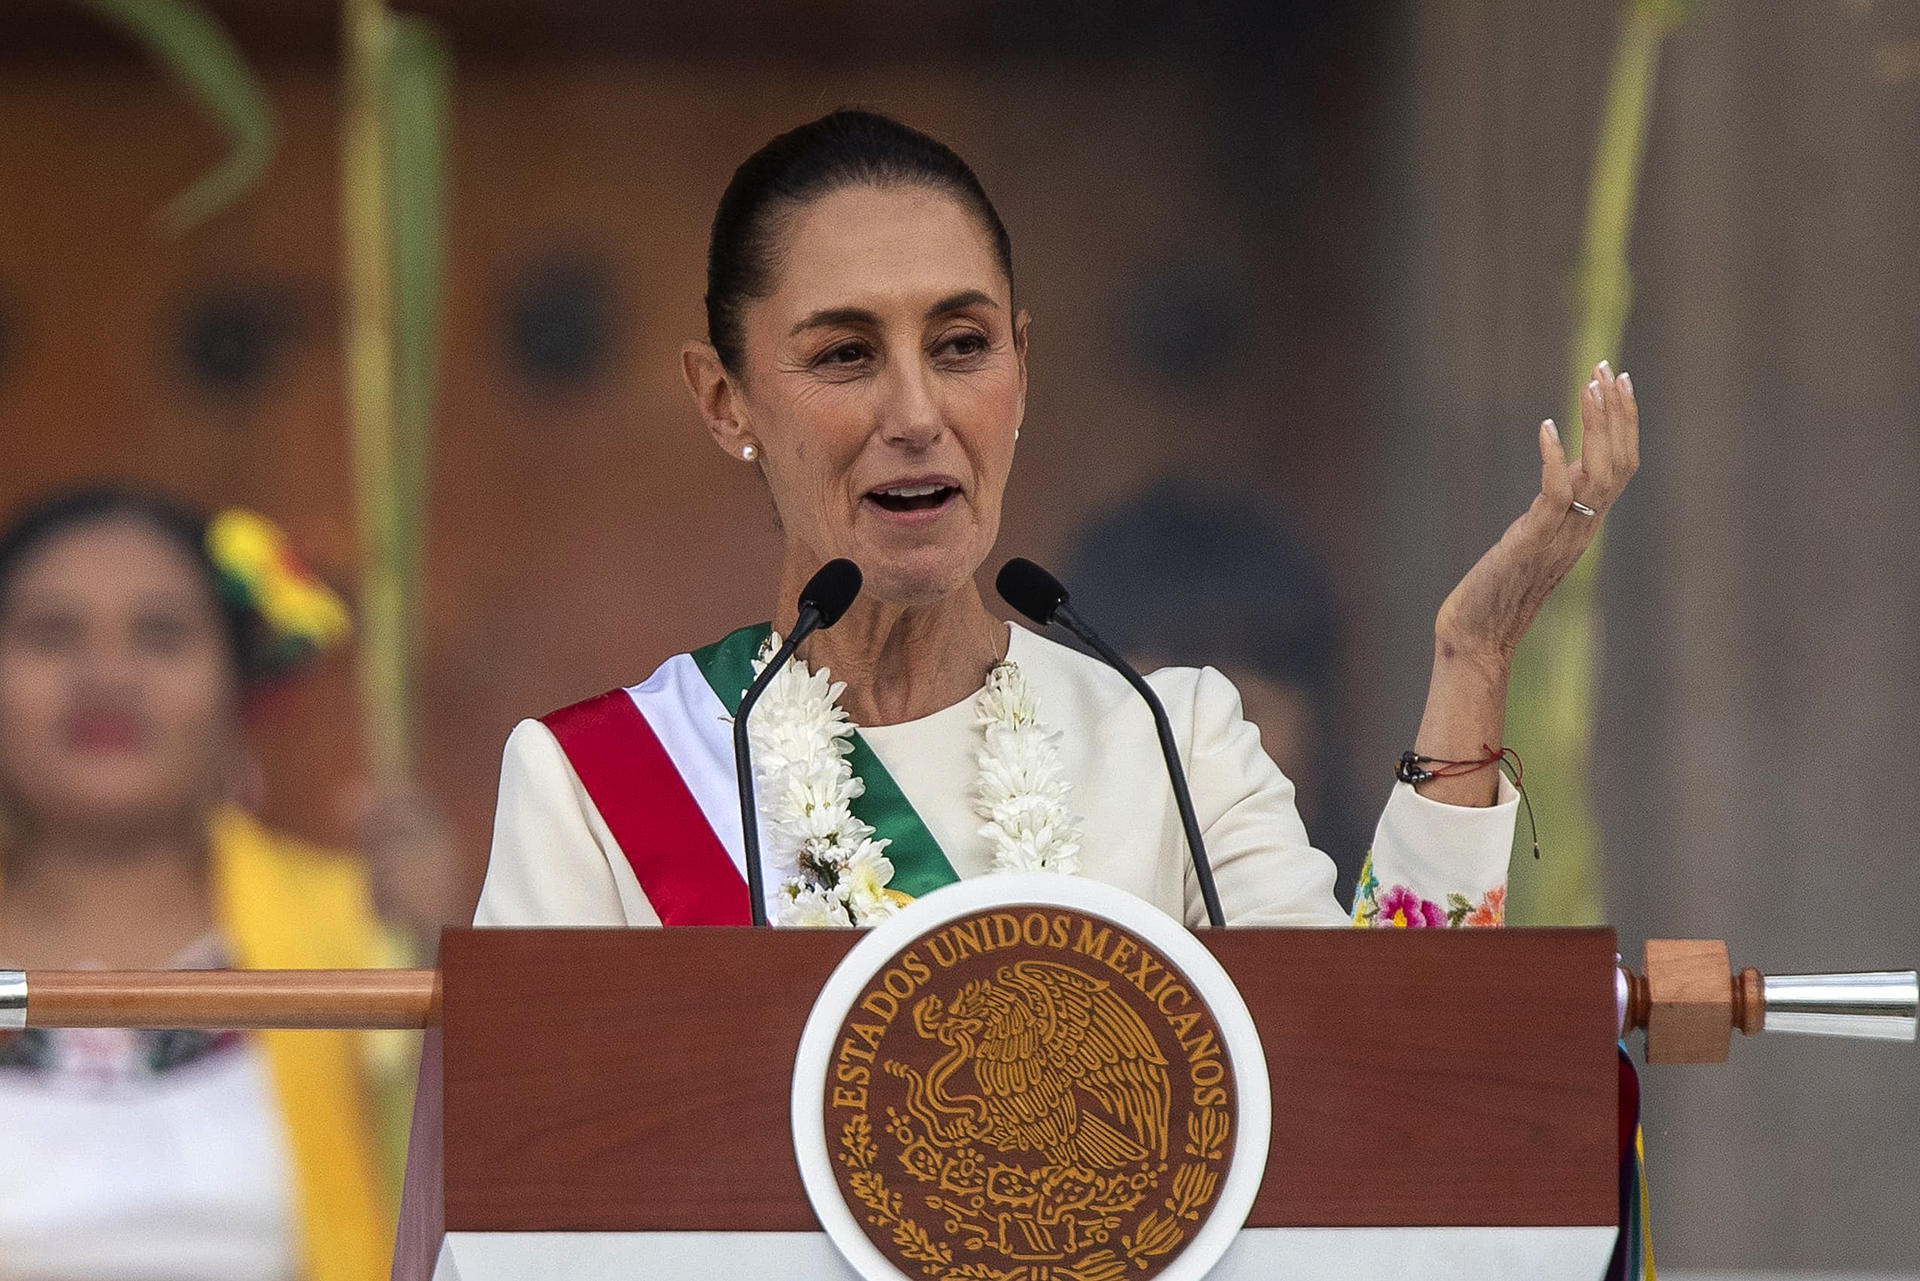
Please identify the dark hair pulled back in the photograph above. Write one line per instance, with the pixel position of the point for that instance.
(184, 528)
(847, 148)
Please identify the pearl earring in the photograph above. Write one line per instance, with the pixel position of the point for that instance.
(748, 453)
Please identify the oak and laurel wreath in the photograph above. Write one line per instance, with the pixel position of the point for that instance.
(1194, 1185)
(1158, 1234)
(858, 1153)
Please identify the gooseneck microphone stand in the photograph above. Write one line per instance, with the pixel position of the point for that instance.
(822, 601)
(1039, 596)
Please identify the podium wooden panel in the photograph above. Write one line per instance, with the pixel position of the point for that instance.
(637, 1080)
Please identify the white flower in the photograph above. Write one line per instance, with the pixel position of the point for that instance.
(865, 879)
(1005, 699)
(812, 909)
(1039, 849)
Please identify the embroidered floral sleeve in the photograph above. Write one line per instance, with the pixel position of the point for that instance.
(1400, 907)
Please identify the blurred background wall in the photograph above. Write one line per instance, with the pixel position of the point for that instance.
(1191, 247)
(1759, 597)
(1315, 251)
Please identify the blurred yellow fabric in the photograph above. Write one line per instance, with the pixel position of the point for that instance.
(282, 904)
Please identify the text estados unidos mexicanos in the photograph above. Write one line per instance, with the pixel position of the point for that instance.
(913, 970)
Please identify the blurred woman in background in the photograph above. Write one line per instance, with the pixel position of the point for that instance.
(131, 632)
(1194, 573)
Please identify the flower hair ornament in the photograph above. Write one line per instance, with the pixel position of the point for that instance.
(299, 617)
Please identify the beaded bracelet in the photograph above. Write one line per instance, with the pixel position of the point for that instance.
(1412, 767)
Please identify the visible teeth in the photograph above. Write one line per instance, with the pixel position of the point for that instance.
(913, 491)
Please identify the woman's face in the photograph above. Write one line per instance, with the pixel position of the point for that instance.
(117, 692)
(883, 384)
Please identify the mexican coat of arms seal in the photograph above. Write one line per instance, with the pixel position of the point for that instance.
(1028, 1091)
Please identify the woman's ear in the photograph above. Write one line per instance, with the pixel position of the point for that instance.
(717, 400)
(1021, 320)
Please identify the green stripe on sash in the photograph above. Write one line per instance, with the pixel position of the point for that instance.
(919, 865)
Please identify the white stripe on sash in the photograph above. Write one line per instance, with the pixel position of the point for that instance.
(693, 726)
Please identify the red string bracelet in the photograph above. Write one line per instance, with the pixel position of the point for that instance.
(1415, 768)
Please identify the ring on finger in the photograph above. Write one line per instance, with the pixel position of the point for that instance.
(1583, 509)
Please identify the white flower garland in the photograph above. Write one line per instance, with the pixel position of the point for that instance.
(1021, 790)
(834, 871)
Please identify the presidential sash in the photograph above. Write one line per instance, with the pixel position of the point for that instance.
(657, 761)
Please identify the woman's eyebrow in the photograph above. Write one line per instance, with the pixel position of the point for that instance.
(965, 298)
(836, 316)
(861, 316)
(38, 597)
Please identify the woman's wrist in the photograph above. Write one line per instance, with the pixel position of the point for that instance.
(1492, 663)
(1464, 718)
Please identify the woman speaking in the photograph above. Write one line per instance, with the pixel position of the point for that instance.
(865, 352)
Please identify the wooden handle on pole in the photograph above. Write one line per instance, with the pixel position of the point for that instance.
(233, 998)
(1691, 1001)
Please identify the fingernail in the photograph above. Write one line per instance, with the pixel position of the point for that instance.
(1553, 433)
(1594, 387)
(1626, 380)
(1603, 366)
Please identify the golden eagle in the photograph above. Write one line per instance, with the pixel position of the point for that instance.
(1063, 1065)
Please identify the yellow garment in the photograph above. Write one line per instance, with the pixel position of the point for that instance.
(1646, 1204)
(282, 905)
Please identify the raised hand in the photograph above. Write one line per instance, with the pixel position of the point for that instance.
(413, 863)
(1484, 618)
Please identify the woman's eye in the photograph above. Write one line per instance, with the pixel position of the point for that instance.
(847, 353)
(965, 345)
(49, 633)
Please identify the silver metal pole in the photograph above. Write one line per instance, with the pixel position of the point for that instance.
(1880, 1005)
(13, 999)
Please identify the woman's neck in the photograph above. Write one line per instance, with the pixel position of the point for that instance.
(97, 896)
(902, 662)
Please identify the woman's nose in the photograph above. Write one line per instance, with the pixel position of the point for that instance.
(909, 411)
(107, 666)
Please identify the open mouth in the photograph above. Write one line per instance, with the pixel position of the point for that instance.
(913, 498)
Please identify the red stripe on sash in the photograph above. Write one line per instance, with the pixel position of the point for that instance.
(687, 874)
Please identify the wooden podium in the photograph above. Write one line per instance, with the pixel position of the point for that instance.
(1444, 1103)
(637, 1081)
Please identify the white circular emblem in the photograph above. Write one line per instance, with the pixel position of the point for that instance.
(1030, 1074)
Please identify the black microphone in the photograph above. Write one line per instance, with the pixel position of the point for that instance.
(822, 601)
(1038, 595)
